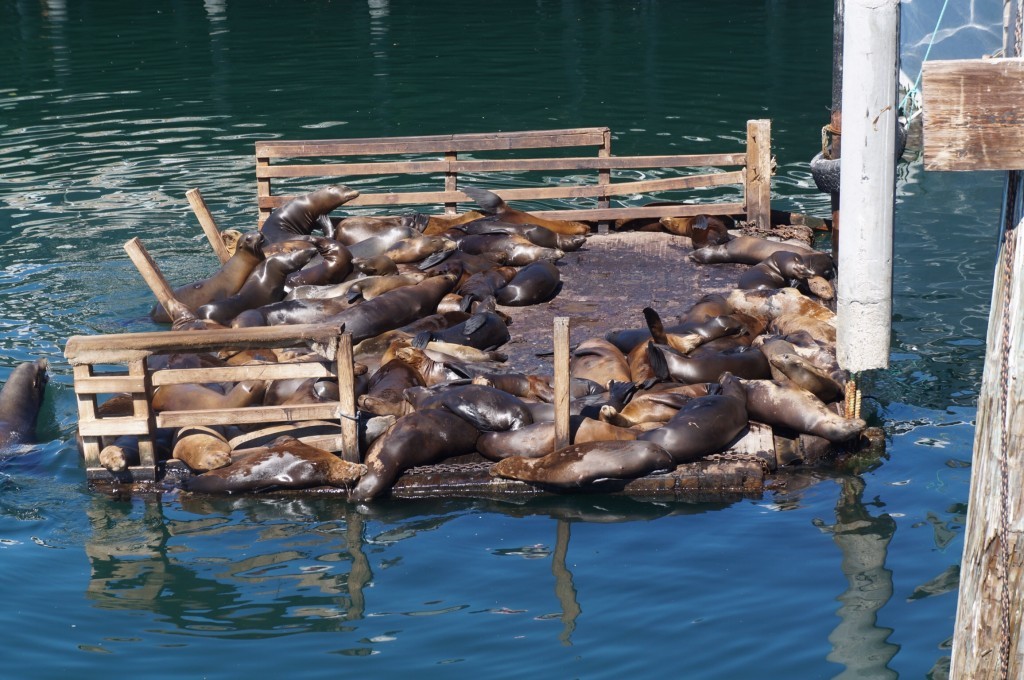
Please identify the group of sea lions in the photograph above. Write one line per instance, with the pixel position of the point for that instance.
(421, 295)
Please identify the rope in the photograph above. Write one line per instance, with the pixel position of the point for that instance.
(913, 88)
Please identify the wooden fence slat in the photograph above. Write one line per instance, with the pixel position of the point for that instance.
(109, 384)
(184, 376)
(249, 415)
(110, 427)
(682, 210)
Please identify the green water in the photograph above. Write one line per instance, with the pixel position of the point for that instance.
(110, 111)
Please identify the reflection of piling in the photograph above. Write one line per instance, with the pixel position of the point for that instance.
(564, 588)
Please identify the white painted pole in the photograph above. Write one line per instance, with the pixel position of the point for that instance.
(867, 183)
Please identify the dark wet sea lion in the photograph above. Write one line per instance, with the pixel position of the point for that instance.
(536, 234)
(747, 362)
(286, 464)
(385, 392)
(291, 312)
(599, 360)
(486, 408)
(20, 399)
(703, 425)
(534, 283)
(264, 286)
(394, 309)
(224, 282)
(334, 266)
(775, 271)
(745, 250)
(521, 385)
(786, 405)
(538, 439)
(302, 215)
(483, 285)
(652, 407)
(805, 374)
(492, 203)
(420, 438)
(507, 249)
(584, 464)
(484, 330)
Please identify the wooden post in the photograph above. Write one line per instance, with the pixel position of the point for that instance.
(561, 366)
(451, 181)
(347, 400)
(209, 225)
(174, 307)
(758, 187)
(867, 183)
(262, 190)
(987, 634)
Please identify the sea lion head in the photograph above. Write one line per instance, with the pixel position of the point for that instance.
(252, 242)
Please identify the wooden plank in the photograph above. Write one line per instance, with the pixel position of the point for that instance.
(109, 384)
(682, 210)
(111, 427)
(140, 409)
(252, 414)
(209, 225)
(541, 193)
(86, 414)
(186, 376)
(529, 139)
(973, 119)
(758, 188)
(262, 188)
(347, 400)
(560, 338)
(154, 279)
(501, 165)
(113, 349)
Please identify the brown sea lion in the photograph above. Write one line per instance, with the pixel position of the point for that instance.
(370, 287)
(264, 286)
(787, 405)
(703, 425)
(703, 230)
(745, 250)
(201, 448)
(538, 439)
(522, 385)
(200, 397)
(536, 234)
(534, 283)
(808, 376)
(599, 360)
(351, 230)
(375, 265)
(301, 216)
(417, 248)
(20, 399)
(291, 312)
(334, 266)
(286, 464)
(394, 309)
(492, 203)
(223, 283)
(419, 438)
(652, 407)
(507, 249)
(581, 465)
(385, 392)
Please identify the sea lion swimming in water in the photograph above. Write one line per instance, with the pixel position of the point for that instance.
(301, 216)
(20, 399)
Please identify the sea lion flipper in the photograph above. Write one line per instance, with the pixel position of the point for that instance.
(353, 294)
(473, 323)
(655, 325)
(488, 200)
(421, 340)
(658, 363)
(434, 259)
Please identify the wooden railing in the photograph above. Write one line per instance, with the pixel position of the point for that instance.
(753, 173)
(132, 350)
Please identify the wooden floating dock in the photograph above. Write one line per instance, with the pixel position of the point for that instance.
(604, 287)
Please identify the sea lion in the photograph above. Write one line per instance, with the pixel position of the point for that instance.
(492, 203)
(20, 399)
(775, 271)
(291, 312)
(486, 408)
(304, 214)
(522, 385)
(334, 267)
(385, 392)
(483, 285)
(599, 360)
(224, 282)
(286, 464)
(702, 230)
(652, 407)
(703, 425)
(433, 372)
(375, 265)
(351, 230)
(507, 249)
(787, 405)
(534, 283)
(264, 286)
(580, 465)
(538, 439)
(395, 308)
(484, 330)
(747, 362)
(808, 376)
(201, 448)
(419, 438)
(370, 287)
(745, 250)
(536, 234)
(417, 248)
(190, 397)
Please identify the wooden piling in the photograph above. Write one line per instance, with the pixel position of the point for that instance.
(209, 225)
(560, 336)
(347, 400)
(758, 187)
(174, 307)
